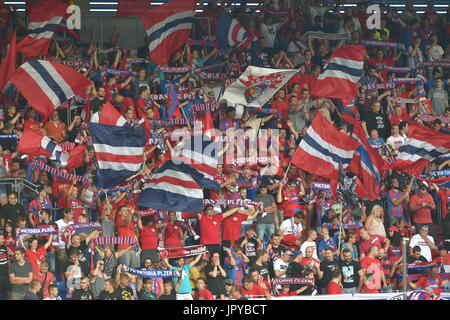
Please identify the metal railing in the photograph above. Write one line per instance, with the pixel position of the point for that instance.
(20, 185)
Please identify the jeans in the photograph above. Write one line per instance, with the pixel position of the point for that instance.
(265, 229)
(51, 258)
(130, 259)
(349, 290)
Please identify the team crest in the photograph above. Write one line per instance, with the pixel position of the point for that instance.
(254, 92)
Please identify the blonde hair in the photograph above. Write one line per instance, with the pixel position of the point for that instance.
(375, 208)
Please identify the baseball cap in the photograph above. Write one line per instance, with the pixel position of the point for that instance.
(393, 228)
(229, 282)
(296, 253)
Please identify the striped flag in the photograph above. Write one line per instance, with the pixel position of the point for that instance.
(47, 85)
(168, 27)
(176, 187)
(230, 33)
(9, 63)
(341, 74)
(119, 151)
(422, 146)
(108, 115)
(45, 16)
(323, 149)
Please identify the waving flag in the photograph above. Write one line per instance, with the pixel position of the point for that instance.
(348, 109)
(34, 143)
(119, 151)
(341, 74)
(230, 33)
(9, 63)
(257, 85)
(132, 7)
(168, 27)
(108, 115)
(323, 149)
(173, 108)
(367, 163)
(45, 16)
(176, 187)
(76, 157)
(47, 85)
(422, 146)
(201, 154)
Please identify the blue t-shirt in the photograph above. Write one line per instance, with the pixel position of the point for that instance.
(235, 273)
(185, 286)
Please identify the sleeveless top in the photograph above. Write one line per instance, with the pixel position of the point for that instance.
(377, 228)
(110, 263)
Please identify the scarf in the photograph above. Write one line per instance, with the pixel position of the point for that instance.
(320, 186)
(175, 69)
(117, 72)
(36, 231)
(183, 251)
(277, 13)
(207, 106)
(437, 63)
(165, 274)
(80, 227)
(324, 36)
(273, 159)
(203, 43)
(75, 64)
(415, 277)
(55, 172)
(214, 66)
(394, 69)
(306, 281)
(352, 225)
(99, 241)
(150, 212)
(430, 118)
(420, 265)
(210, 76)
(231, 203)
(169, 123)
(9, 136)
(381, 44)
(161, 97)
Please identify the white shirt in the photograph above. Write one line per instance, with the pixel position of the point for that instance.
(61, 228)
(289, 227)
(269, 32)
(417, 240)
(280, 265)
(307, 244)
(395, 143)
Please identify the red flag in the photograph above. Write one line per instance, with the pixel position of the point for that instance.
(109, 116)
(30, 143)
(132, 7)
(76, 157)
(9, 63)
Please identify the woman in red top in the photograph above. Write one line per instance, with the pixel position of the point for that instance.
(36, 255)
(174, 236)
(148, 235)
(334, 286)
(202, 293)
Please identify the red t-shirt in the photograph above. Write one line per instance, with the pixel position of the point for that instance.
(77, 208)
(423, 215)
(48, 281)
(255, 291)
(172, 235)
(36, 258)
(149, 237)
(61, 186)
(210, 229)
(124, 231)
(127, 103)
(289, 294)
(374, 268)
(333, 288)
(231, 227)
(445, 196)
(110, 90)
(430, 282)
(282, 108)
(205, 294)
(376, 62)
(374, 240)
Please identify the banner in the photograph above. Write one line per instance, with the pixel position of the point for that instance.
(395, 69)
(162, 97)
(240, 161)
(383, 44)
(437, 63)
(231, 203)
(155, 273)
(320, 186)
(183, 251)
(281, 281)
(36, 231)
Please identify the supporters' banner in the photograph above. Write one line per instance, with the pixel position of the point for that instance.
(35, 231)
(324, 36)
(168, 27)
(47, 85)
(231, 203)
(169, 123)
(430, 118)
(210, 76)
(100, 241)
(281, 281)
(406, 80)
(257, 85)
(320, 186)
(238, 171)
(183, 251)
(33, 143)
(383, 44)
(423, 145)
(58, 173)
(148, 213)
(436, 64)
(165, 274)
(323, 149)
(340, 78)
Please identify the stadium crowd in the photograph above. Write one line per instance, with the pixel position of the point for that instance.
(294, 228)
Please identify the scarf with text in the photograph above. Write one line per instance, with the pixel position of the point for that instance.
(437, 63)
(231, 203)
(210, 76)
(277, 13)
(274, 160)
(117, 72)
(75, 64)
(154, 273)
(281, 281)
(183, 251)
(175, 69)
(207, 106)
(324, 36)
(430, 118)
(9, 136)
(169, 123)
(162, 97)
(36, 231)
(395, 69)
(383, 44)
(80, 227)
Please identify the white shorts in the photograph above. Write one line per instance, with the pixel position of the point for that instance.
(184, 296)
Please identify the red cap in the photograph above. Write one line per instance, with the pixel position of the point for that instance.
(394, 228)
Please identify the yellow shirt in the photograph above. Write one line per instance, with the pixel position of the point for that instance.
(194, 275)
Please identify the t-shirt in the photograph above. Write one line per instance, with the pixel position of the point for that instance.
(255, 291)
(36, 258)
(210, 229)
(395, 142)
(124, 293)
(289, 227)
(80, 294)
(333, 288)
(110, 296)
(30, 296)
(374, 240)
(350, 276)
(61, 228)
(215, 285)
(21, 271)
(376, 120)
(432, 283)
(262, 270)
(205, 294)
(417, 240)
(423, 215)
(171, 296)
(124, 231)
(328, 267)
(172, 235)
(307, 244)
(149, 237)
(267, 200)
(147, 295)
(185, 286)
(249, 248)
(373, 269)
(280, 265)
(48, 281)
(232, 225)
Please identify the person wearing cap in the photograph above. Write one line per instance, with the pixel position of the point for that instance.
(420, 206)
(36, 205)
(227, 294)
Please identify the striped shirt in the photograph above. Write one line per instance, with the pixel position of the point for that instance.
(395, 211)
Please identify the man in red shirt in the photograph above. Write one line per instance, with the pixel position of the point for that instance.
(125, 228)
(280, 105)
(174, 236)
(381, 60)
(74, 203)
(210, 227)
(112, 87)
(335, 286)
(421, 205)
(36, 255)
(373, 275)
(431, 283)
(202, 293)
(444, 194)
(251, 289)
(368, 240)
(231, 226)
(125, 103)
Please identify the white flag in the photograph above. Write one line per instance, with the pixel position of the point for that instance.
(257, 85)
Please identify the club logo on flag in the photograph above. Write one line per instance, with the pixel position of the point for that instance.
(257, 90)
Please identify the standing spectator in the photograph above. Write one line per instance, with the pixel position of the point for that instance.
(168, 291)
(350, 245)
(373, 275)
(432, 283)
(110, 257)
(84, 293)
(375, 119)
(147, 291)
(35, 287)
(424, 241)
(202, 292)
(249, 244)
(61, 255)
(125, 228)
(36, 255)
(280, 266)
(98, 278)
(215, 275)
(122, 283)
(388, 268)
(265, 221)
(334, 286)
(36, 205)
(439, 98)
(310, 242)
(420, 206)
(397, 202)
(292, 229)
(374, 223)
(20, 275)
(55, 128)
(235, 262)
(253, 290)
(327, 267)
(46, 278)
(351, 273)
(109, 293)
(12, 210)
(5, 285)
(73, 273)
(368, 240)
